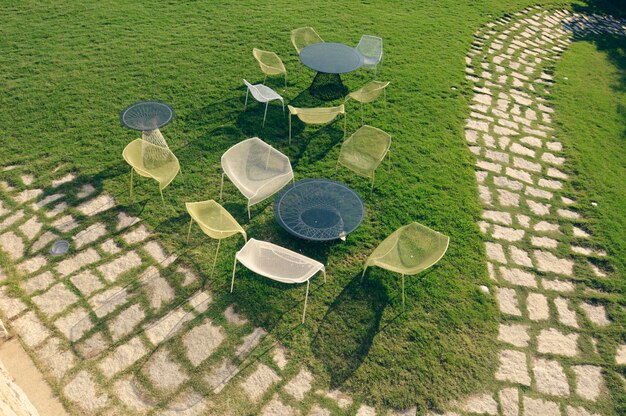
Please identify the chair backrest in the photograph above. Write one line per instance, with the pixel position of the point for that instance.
(369, 92)
(153, 161)
(371, 47)
(253, 160)
(269, 62)
(410, 249)
(256, 93)
(277, 263)
(214, 219)
(319, 115)
(304, 36)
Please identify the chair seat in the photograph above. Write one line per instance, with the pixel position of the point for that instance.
(363, 163)
(213, 219)
(256, 179)
(369, 92)
(256, 169)
(151, 161)
(319, 115)
(409, 250)
(268, 93)
(277, 263)
(367, 61)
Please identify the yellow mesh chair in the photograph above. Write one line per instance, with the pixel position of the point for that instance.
(368, 93)
(320, 115)
(303, 37)
(151, 161)
(408, 251)
(214, 221)
(270, 64)
(364, 151)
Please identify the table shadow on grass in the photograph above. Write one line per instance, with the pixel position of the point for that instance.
(346, 333)
(615, 7)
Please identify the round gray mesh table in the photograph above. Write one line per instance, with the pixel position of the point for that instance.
(329, 60)
(319, 209)
(148, 117)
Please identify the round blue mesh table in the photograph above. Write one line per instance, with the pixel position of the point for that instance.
(148, 117)
(319, 209)
(330, 59)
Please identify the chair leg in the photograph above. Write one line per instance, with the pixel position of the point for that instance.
(402, 290)
(162, 199)
(232, 282)
(189, 231)
(215, 258)
(248, 211)
(363, 274)
(265, 114)
(267, 160)
(362, 115)
(131, 183)
(222, 185)
(245, 104)
(264, 79)
(306, 298)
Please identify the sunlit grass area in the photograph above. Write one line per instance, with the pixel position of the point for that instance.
(69, 69)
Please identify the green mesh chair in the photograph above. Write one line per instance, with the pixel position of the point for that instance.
(408, 251)
(320, 115)
(151, 161)
(369, 93)
(303, 37)
(214, 221)
(364, 151)
(270, 64)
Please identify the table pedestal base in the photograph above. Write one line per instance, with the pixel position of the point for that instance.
(154, 137)
(328, 87)
(153, 156)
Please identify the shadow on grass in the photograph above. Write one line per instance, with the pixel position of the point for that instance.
(615, 8)
(347, 331)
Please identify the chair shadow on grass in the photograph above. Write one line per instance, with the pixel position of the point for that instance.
(346, 333)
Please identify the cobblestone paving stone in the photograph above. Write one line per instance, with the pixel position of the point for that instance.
(111, 347)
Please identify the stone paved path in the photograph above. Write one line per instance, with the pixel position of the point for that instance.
(538, 249)
(120, 325)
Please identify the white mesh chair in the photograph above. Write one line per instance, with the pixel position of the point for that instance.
(262, 94)
(256, 169)
(278, 263)
(371, 47)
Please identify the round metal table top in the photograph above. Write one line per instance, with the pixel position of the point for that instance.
(331, 58)
(146, 115)
(319, 209)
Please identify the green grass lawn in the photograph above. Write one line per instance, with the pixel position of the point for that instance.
(68, 69)
(590, 103)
